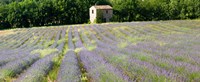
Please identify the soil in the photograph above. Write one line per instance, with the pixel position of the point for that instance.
(6, 32)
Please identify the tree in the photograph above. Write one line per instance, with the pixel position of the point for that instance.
(28, 13)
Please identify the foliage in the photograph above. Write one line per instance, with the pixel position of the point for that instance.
(99, 18)
(29, 13)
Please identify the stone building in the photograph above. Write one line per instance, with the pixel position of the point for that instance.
(103, 11)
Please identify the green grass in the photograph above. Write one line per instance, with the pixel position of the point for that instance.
(142, 57)
(61, 40)
(164, 65)
(6, 73)
(159, 78)
(194, 76)
(52, 75)
(47, 44)
(122, 45)
(77, 50)
(180, 58)
(44, 52)
(160, 43)
(110, 77)
(91, 47)
(180, 69)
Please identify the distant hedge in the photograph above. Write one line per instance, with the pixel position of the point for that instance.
(28, 13)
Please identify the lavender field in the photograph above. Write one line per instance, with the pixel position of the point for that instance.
(157, 51)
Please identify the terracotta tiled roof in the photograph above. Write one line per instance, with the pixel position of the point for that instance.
(103, 7)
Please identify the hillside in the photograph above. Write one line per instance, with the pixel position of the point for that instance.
(120, 52)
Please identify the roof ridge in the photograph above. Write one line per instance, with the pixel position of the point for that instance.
(102, 6)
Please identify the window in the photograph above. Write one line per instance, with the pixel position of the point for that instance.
(106, 11)
(92, 11)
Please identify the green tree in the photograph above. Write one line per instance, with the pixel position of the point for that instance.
(28, 13)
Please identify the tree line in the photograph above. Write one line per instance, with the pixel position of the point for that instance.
(29, 13)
